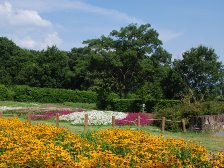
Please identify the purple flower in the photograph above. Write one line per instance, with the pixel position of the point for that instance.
(131, 119)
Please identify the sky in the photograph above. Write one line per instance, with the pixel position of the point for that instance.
(181, 24)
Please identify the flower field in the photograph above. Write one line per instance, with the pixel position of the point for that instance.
(25, 145)
(105, 118)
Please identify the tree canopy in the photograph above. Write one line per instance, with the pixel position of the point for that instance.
(130, 62)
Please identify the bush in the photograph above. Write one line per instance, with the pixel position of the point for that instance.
(49, 95)
(155, 105)
(132, 105)
(104, 100)
(4, 93)
(135, 105)
(188, 110)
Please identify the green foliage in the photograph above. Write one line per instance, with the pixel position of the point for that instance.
(49, 95)
(135, 105)
(104, 99)
(187, 110)
(201, 71)
(124, 58)
(4, 93)
(126, 105)
(153, 105)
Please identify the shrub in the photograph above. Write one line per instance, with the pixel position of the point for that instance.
(49, 95)
(188, 110)
(126, 104)
(4, 93)
(104, 100)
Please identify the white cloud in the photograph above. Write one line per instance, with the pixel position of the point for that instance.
(51, 39)
(27, 42)
(19, 17)
(103, 11)
(57, 5)
(167, 35)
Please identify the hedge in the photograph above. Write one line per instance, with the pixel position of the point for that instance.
(4, 93)
(135, 105)
(50, 95)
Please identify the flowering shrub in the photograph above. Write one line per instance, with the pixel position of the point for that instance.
(49, 114)
(95, 117)
(131, 119)
(24, 145)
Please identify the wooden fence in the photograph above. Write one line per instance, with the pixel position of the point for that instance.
(86, 121)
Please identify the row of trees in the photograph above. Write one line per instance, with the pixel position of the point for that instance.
(128, 62)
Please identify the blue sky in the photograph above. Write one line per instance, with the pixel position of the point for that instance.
(182, 24)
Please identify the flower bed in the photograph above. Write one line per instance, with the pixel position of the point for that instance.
(52, 114)
(49, 115)
(25, 145)
(131, 119)
(95, 117)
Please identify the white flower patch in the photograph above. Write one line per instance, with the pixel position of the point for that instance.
(95, 117)
(5, 108)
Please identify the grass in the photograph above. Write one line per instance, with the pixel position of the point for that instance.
(72, 105)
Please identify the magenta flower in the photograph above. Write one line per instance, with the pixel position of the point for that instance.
(131, 119)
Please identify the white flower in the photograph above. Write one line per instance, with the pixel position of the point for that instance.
(95, 117)
(5, 108)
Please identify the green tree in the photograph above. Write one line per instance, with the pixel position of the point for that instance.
(201, 71)
(123, 58)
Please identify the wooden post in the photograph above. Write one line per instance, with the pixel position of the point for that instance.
(163, 124)
(184, 125)
(138, 122)
(86, 123)
(57, 120)
(29, 117)
(113, 121)
(1, 114)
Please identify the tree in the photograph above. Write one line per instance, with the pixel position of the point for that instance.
(49, 68)
(123, 58)
(201, 71)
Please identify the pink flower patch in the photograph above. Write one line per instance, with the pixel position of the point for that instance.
(131, 119)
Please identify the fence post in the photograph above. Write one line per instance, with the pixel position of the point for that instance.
(57, 120)
(1, 114)
(113, 121)
(163, 124)
(138, 122)
(183, 125)
(29, 117)
(86, 123)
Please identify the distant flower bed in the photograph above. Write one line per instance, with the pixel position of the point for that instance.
(95, 117)
(49, 115)
(105, 118)
(131, 119)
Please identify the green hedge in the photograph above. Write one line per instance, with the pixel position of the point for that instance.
(4, 93)
(49, 95)
(131, 105)
(135, 105)
(155, 105)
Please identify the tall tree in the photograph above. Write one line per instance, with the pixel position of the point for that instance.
(124, 57)
(201, 70)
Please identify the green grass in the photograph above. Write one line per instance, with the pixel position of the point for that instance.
(80, 105)
(20, 104)
(71, 105)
